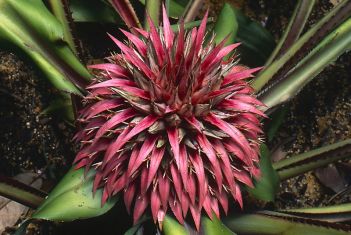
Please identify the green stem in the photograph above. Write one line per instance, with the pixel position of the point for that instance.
(297, 22)
(274, 223)
(283, 65)
(313, 159)
(20, 192)
(332, 46)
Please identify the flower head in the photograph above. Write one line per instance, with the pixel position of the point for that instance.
(171, 124)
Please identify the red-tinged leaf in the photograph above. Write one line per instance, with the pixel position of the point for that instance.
(196, 214)
(104, 197)
(194, 123)
(183, 165)
(140, 205)
(126, 135)
(243, 177)
(248, 99)
(235, 76)
(225, 91)
(134, 155)
(190, 56)
(180, 45)
(85, 152)
(97, 181)
(113, 83)
(214, 206)
(138, 43)
(212, 55)
(134, 59)
(128, 196)
(168, 32)
(143, 179)
(176, 209)
(225, 51)
(115, 146)
(226, 164)
(155, 204)
(201, 34)
(239, 106)
(119, 184)
(146, 148)
(206, 147)
(113, 68)
(191, 189)
(207, 206)
(163, 189)
(102, 106)
(155, 160)
(201, 177)
(237, 151)
(177, 181)
(238, 197)
(114, 121)
(127, 13)
(185, 203)
(115, 165)
(232, 131)
(223, 200)
(142, 32)
(174, 142)
(155, 40)
(99, 92)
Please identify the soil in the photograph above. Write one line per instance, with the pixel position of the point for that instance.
(36, 142)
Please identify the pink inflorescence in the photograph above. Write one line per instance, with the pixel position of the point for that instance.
(171, 124)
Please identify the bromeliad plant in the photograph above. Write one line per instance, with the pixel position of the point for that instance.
(172, 123)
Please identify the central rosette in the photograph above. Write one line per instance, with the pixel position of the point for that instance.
(171, 124)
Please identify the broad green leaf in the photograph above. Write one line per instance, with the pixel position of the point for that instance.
(266, 186)
(257, 42)
(93, 11)
(73, 199)
(214, 227)
(226, 25)
(276, 120)
(282, 224)
(30, 26)
(171, 227)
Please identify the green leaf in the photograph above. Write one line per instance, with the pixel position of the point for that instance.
(176, 7)
(73, 199)
(276, 120)
(267, 186)
(301, 163)
(257, 42)
(30, 26)
(272, 223)
(171, 227)
(329, 49)
(295, 54)
(86, 11)
(214, 227)
(335, 213)
(226, 25)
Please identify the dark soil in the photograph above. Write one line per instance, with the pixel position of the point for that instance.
(319, 115)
